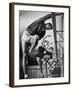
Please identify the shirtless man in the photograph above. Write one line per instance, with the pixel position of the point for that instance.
(30, 38)
(44, 56)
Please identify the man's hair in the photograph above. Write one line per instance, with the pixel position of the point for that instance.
(50, 25)
(51, 48)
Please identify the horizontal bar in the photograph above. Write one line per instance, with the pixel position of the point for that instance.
(59, 31)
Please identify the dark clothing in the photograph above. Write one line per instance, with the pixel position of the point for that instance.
(41, 52)
(37, 29)
(38, 26)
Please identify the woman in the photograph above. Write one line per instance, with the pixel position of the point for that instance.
(30, 38)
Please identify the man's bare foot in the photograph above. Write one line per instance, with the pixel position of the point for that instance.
(42, 75)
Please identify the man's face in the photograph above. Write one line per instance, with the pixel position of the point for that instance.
(48, 26)
(46, 44)
(51, 49)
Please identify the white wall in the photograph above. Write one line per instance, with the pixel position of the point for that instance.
(4, 44)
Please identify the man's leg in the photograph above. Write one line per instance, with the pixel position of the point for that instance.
(40, 64)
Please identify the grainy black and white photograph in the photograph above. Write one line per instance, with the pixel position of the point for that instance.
(41, 44)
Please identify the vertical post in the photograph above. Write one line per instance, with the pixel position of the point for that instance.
(62, 68)
(54, 31)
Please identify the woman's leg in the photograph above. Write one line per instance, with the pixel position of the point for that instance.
(24, 65)
(24, 39)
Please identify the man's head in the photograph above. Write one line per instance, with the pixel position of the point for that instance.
(45, 43)
(51, 49)
(48, 26)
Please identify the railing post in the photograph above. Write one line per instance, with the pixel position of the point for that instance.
(54, 31)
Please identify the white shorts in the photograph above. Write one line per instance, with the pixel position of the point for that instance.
(25, 36)
(28, 38)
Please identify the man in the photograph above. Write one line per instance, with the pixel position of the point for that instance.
(44, 56)
(31, 36)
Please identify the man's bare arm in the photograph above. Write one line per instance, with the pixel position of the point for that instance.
(39, 20)
(42, 19)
